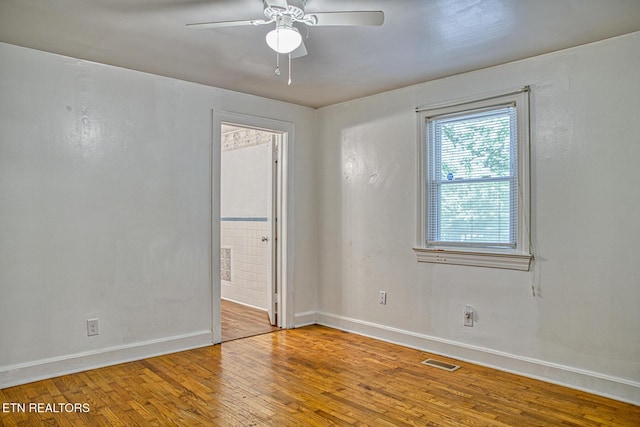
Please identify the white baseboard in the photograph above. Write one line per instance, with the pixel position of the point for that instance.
(23, 373)
(305, 319)
(592, 382)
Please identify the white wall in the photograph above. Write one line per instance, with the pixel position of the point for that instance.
(244, 183)
(582, 326)
(105, 211)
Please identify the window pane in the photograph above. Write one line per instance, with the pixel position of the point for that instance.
(478, 212)
(475, 146)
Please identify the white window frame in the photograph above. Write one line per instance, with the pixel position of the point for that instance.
(518, 258)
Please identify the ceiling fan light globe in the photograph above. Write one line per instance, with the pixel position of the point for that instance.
(284, 40)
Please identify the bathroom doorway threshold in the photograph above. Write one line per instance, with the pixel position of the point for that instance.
(241, 321)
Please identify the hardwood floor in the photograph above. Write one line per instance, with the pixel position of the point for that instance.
(240, 321)
(312, 376)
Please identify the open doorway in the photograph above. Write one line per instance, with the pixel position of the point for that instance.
(249, 211)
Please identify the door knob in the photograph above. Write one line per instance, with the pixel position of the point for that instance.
(265, 239)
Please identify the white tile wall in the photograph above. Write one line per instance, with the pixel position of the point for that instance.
(248, 284)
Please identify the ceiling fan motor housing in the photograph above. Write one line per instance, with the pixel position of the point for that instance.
(293, 9)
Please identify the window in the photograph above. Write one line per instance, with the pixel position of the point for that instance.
(474, 183)
(472, 178)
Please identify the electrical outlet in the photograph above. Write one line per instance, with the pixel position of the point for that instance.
(92, 327)
(468, 316)
(382, 298)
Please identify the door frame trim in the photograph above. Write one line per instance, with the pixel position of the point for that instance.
(285, 230)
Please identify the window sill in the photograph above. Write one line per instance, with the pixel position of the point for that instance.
(505, 260)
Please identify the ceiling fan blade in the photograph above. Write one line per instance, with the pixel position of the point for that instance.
(371, 17)
(300, 51)
(222, 24)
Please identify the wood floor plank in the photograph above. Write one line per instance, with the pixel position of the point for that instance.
(312, 376)
(240, 321)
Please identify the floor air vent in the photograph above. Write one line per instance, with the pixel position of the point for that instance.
(442, 365)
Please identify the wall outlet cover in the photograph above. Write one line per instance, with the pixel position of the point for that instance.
(382, 298)
(92, 327)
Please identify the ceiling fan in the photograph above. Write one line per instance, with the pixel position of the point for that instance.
(285, 38)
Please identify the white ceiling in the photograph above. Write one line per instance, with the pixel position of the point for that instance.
(420, 40)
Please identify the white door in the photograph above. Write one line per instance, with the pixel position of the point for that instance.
(273, 202)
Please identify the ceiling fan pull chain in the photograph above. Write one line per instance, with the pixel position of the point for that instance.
(289, 82)
(277, 64)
